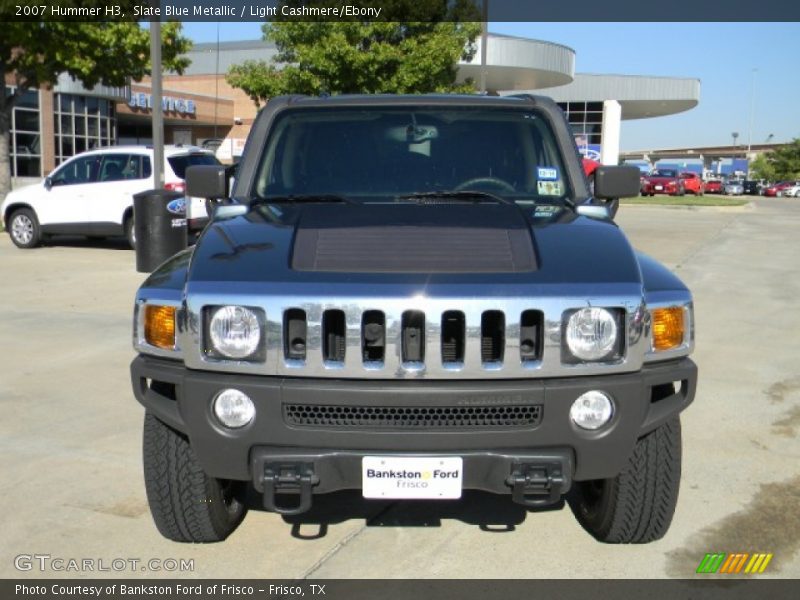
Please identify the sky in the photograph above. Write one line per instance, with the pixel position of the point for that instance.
(722, 56)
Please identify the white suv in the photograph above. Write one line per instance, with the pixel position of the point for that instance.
(92, 193)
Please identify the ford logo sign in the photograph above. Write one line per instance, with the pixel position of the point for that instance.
(177, 206)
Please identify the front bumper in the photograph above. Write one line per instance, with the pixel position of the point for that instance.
(182, 398)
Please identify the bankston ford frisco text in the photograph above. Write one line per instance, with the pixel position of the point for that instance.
(403, 476)
(178, 589)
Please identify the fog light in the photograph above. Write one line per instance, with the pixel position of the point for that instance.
(233, 408)
(592, 410)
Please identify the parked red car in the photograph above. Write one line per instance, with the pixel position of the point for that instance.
(777, 188)
(713, 186)
(589, 166)
(692, 183)
(663, 181)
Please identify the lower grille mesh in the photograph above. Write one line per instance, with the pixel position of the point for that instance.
(413, 417)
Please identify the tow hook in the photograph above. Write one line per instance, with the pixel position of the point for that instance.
(288, 478)
(536, 484)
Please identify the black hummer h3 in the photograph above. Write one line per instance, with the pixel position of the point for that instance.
(412, 296)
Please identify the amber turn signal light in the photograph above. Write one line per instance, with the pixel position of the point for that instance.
(159, 326)
(668, 328)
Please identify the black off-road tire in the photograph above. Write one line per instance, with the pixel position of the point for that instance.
(187, 505)
(636, 506)
(24, 230)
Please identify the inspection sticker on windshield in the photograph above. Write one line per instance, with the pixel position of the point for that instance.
(549, 188)
(547, 173)
(397, 477)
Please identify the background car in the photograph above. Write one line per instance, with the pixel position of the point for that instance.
(692, 183)
(92, 193)
(663, 181)
(777, 188)
(791, 192)
(713, 186)
(754, 187)
(734, 188)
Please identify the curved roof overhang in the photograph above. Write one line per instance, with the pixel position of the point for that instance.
(520, 64)
(640, 97)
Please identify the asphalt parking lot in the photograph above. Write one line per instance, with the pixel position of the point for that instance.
(70, 433)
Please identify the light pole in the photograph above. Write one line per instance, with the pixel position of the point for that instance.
(752, 107)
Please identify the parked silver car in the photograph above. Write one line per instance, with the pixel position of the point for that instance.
(734, 188)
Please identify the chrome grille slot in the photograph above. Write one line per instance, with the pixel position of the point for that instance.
(413, 336)
(493, 337)
(499, 416)
(530, 335)
(294, 334)
(373, 336)
(334, 335)
(453, 333)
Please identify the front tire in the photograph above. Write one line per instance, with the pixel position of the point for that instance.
(187, 505)
(23, 227)
(636, 506)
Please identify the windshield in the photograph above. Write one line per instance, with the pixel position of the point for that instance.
(379, 153)
(665, 173)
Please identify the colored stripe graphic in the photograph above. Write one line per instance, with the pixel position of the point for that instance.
(711, 562)
(734, 563)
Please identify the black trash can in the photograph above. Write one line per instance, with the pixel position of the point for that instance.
(159, 223)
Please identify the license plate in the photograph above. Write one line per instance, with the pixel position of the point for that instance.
(412, 477)
(659, 187)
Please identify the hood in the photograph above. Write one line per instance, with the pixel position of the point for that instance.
(407, 243)
(22, 194)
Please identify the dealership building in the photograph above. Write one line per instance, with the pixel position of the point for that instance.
(50, 125)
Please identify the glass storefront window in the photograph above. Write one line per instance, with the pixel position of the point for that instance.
(86, 122)
(25, 135)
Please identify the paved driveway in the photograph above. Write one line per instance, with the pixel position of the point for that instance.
(70, 433)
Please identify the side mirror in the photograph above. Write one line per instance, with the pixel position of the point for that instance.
(207, 181)
(616, 182)
(48, 183)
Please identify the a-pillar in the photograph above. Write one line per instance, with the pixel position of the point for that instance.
(612, 119)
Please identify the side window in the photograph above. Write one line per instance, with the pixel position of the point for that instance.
(81, 170)
(135, 167)
(147, 168)
(115, 167)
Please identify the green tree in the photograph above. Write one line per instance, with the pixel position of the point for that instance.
(33, 54)
(366, 57)
(760, 168)
(785, 161)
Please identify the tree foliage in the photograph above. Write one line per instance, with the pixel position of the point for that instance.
(786, 160)
(108, 53)
(761, 169)
(366, 57)
(783, 163)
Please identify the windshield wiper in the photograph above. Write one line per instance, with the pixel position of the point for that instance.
(301, 198)
(475, 195)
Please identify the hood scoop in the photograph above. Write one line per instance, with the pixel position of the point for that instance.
(413, 239)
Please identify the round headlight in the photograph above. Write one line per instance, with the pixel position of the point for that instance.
(235, 332)
(591, 333)
(591, 410)
(233, 408)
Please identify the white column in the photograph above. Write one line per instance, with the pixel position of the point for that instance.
(612, 118)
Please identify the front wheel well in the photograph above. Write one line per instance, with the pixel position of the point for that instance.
(127, 214)
(12, 208)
